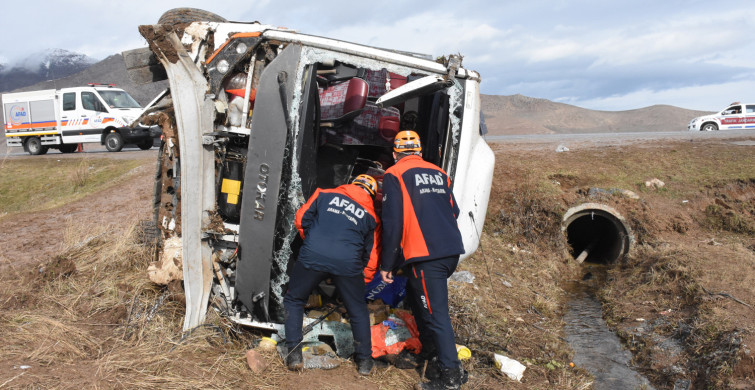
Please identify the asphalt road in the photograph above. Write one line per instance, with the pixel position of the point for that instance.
(92, 150)
(740, 137)
(538, 141)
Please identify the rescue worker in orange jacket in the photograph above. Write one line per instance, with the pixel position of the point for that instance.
(341, 235)
(421, 235)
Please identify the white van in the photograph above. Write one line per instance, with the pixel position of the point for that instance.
(62, 119)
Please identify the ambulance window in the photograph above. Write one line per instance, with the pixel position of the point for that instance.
(87, 100)
(69, 101)
(751, 108)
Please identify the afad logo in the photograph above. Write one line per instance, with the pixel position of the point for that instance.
(18, 115)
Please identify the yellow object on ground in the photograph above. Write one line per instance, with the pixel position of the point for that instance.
(464, 352)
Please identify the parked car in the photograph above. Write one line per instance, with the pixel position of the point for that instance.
(735, 116)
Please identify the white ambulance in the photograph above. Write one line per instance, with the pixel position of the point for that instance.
(735, 116)
(62, 119)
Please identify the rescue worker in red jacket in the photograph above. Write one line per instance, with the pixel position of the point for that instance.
(421, 235)
(341, 241)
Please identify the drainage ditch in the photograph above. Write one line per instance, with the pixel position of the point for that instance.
(598, 237)
(596, 233)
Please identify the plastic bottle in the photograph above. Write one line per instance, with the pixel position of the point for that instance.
(463, 352)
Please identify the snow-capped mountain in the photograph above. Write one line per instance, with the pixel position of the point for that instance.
(47, 65)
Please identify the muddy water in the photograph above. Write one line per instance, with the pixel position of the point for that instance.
(596, 348)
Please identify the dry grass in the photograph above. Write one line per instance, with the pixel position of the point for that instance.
(80, 175)
(93, 315)
(40, 184)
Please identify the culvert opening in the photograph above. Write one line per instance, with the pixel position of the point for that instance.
(596, 233)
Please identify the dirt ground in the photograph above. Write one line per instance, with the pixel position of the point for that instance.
(76, 308)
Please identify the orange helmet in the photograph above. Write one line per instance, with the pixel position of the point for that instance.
(367, 182)
(407, 141)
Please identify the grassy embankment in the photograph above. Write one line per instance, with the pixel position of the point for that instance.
(35, 184)
(693, 249)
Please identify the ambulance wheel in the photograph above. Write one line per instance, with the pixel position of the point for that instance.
(68, 148)
(146, 144)
(34, 146)
(188, 15)
(113, 142)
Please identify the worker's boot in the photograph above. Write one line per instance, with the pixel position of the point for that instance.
(433, 371)
(365, 366)
(294, 359)
(449, 379)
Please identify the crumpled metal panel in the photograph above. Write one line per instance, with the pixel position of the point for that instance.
(193, 113)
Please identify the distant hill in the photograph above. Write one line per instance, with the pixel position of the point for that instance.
(518, 114)
(48, 65)
(111, 70)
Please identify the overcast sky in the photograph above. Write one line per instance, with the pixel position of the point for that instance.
(605, 55)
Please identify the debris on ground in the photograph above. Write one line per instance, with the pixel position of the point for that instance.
(169, 267)
(512, 368)
(561, 148)
(462, 276)
(267, 344)
(463, 352)
(320, 356)
(255, 361)
(655, 183)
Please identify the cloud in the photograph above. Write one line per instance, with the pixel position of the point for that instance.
(688, 97)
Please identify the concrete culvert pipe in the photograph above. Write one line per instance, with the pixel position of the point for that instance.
(596, 233)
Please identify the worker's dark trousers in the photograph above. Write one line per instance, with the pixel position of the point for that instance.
(427, 294)
(351, 288)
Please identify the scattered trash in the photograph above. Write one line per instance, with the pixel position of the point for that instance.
(24, 367)
(665, 312)
(512, 368)
(255, 361)
(463, 352)
(571, 364)
(320, 356)
(314, 300)
(462, 276)
(713, 242)
(388, 341)
(516, 249)
(654, 183)
(390, 324)
(506, 283)
(267, 344)
(685, 201)
(561, 148)
(640, 320)
(379, 312)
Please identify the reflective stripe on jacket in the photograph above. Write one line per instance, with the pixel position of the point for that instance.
(341, 232)
(419, 214)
